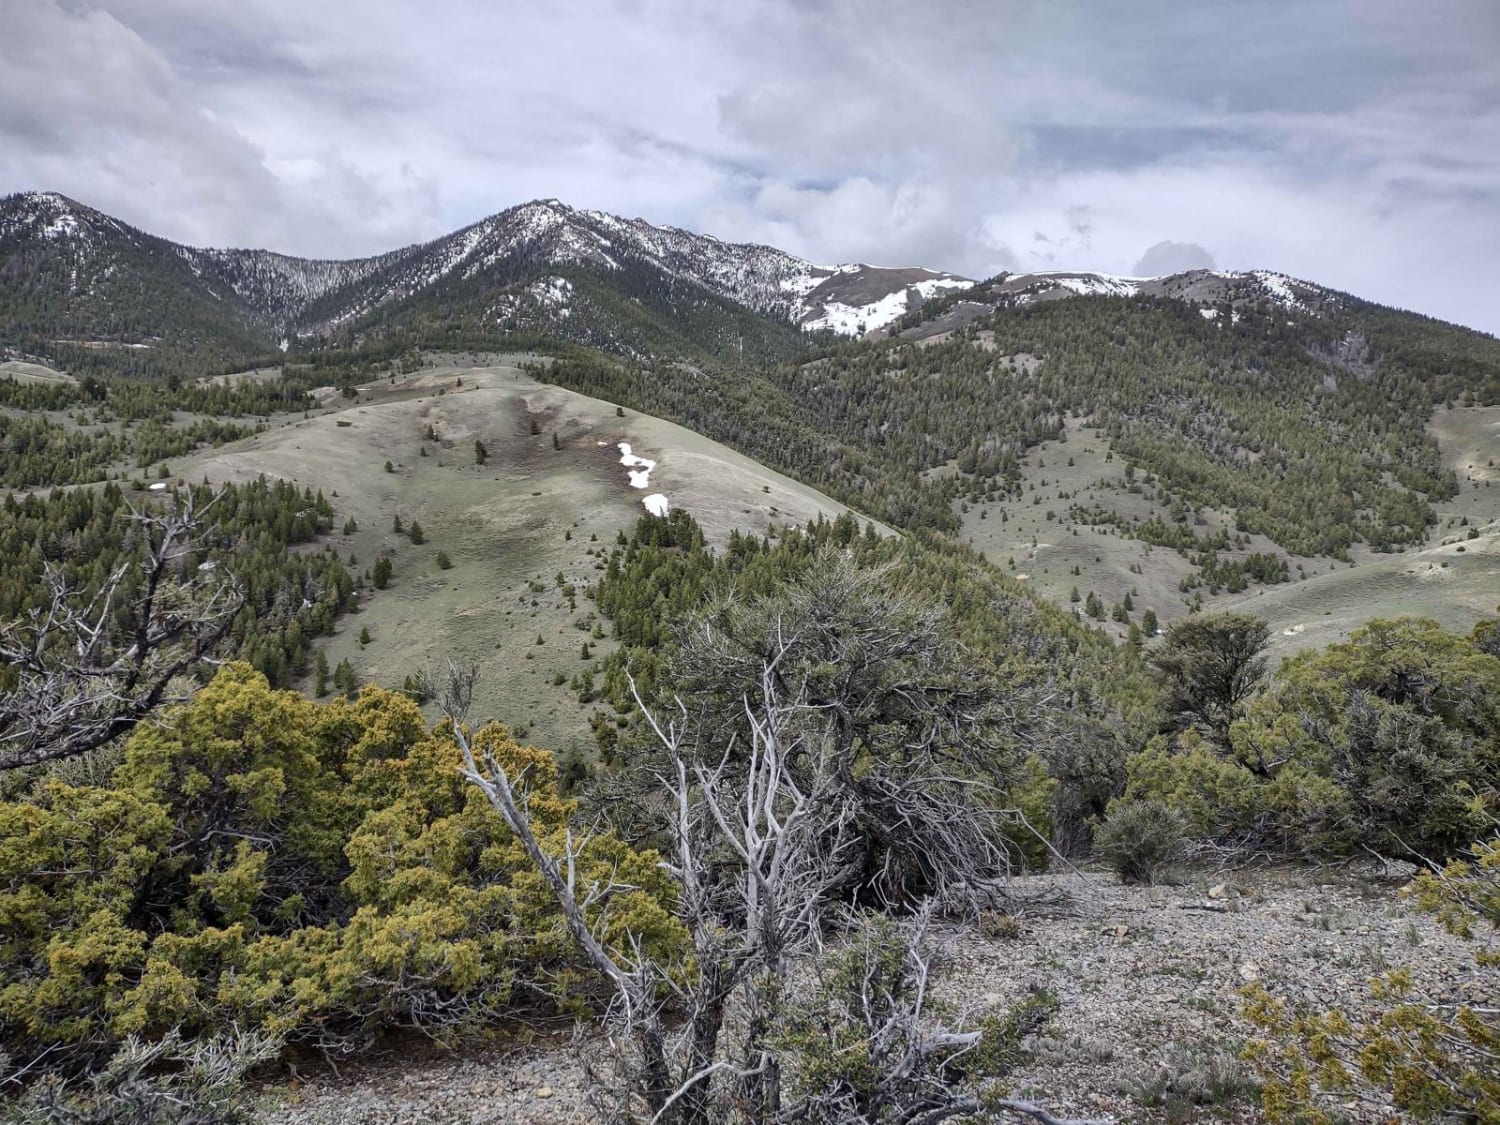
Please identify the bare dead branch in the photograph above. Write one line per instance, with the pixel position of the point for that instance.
(88, 668)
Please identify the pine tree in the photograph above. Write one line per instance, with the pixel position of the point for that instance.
(343, 677)
(416, 534)
(382, 575)
(320, 675)
(443, 561)
(480, 453)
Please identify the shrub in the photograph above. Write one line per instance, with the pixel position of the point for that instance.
(1432, 1062)
(1140, 841)
(168, 1082)
(1296, 811)
(320, 873)
(1192, 1077)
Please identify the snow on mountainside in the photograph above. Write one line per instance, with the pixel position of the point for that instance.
(508, 252)
(762, 278)
(1208, 289)
(853, 300)
(1195, 285)
(537, 268)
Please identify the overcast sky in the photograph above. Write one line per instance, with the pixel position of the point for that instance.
(1351, 142)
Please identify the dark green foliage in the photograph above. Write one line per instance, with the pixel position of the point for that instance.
(1210, 664)
(443, 561)
(381, 576)
(1389, 742)
(416, 534)
(290, 596)
(1405, 718)
(480, 453)
(665, 573)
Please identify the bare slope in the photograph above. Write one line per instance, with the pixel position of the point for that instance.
(532, 511)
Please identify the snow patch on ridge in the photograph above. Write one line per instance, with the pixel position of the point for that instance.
(639, 470)
(639, 477)
(1095, 284)
(852, 320)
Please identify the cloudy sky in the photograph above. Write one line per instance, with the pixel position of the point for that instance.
(1352, 142)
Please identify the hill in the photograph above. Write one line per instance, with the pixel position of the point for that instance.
(550, 499)
(1242, 433)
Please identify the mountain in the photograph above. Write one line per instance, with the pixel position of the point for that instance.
(1214, 292)
(77, 285)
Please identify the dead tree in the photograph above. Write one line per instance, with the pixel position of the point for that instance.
(86, 667)
(756, 849)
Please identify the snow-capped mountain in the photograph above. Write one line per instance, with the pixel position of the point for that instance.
(73, 277)
(546, 233)
(86, 279)
(1210, 290)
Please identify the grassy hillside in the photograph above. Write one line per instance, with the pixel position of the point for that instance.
(1449, 577)
(532, 511)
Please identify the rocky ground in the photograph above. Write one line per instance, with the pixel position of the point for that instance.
(1148, 979)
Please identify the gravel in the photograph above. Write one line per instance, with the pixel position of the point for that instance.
(1146, 976)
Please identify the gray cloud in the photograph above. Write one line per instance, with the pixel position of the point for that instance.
(1172, 257)
(1356, 142)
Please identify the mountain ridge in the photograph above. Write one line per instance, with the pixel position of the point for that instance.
(511, 271)
(81, 287)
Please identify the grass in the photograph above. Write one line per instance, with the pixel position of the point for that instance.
(23, 372)
(509, 527)
(1451, 578)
